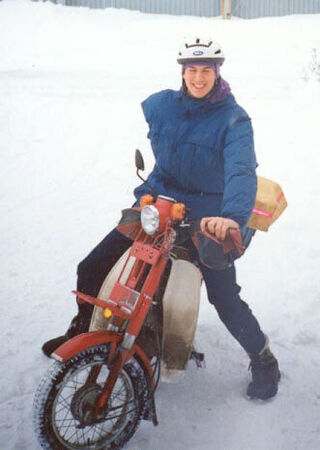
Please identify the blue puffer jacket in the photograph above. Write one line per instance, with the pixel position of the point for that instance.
(204, 154)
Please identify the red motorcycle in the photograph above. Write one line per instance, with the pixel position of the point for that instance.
(103, 382)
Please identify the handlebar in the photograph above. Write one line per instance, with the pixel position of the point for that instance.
(232, 240)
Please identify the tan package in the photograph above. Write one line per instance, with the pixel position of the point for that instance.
(270, 203)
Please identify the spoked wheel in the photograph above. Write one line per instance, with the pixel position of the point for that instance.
(64, 407)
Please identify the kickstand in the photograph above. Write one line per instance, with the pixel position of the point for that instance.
(198, 358)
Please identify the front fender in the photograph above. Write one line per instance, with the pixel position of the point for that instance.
(85, 340)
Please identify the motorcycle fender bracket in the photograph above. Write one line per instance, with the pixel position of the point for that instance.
(145, 253)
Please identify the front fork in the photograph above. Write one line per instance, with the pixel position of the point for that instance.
(118, 360)
(122, 354)
(115, 366)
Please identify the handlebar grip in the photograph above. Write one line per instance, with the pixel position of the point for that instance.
(233, 240)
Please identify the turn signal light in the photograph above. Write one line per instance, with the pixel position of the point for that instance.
(107, 313)
(146, 200)
(178, 211)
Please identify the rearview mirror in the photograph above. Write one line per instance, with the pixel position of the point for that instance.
(139, 160)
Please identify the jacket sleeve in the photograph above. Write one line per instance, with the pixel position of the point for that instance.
(154, 103)
(240, 180)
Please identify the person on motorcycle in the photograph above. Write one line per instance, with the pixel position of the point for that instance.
(202, 142)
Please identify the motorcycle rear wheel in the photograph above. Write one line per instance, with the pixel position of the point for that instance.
(64, 404)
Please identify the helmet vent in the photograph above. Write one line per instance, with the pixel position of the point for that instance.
(197, 40)
(218, 51)
(197, 45)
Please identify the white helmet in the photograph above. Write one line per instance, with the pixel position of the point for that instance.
(198, 49)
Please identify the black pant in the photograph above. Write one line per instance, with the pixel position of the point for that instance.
(223, 291)
(96, 266)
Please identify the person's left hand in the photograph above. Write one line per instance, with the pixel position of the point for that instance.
(217, 226)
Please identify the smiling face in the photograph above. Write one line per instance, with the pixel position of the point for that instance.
(199, 80)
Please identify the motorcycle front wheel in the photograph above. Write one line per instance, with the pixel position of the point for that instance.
(64, 406)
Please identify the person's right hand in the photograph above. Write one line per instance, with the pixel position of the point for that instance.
(217, 226)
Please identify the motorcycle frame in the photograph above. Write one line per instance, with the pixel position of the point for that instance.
(151, 252)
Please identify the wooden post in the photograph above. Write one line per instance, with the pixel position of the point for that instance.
(226, 9)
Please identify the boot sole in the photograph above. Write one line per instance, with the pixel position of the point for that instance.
(257, 396)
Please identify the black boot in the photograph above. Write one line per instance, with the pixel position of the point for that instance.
(79, 324)
(265, 375)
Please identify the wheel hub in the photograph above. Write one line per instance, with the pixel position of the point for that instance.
(83, 404)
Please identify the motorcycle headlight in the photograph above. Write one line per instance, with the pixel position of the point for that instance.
(150, 219)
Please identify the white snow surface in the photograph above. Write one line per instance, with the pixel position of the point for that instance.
(71, 83)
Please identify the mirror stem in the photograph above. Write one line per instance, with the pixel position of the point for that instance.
(139, 176)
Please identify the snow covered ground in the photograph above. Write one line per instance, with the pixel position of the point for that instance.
(71, 81)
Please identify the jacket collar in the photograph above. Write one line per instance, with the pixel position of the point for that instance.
(193, 106)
